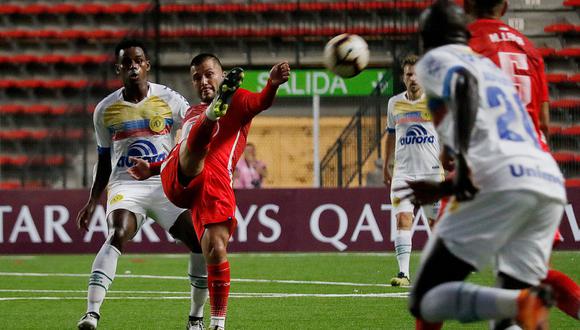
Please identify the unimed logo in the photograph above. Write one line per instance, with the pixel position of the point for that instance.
(416, 134)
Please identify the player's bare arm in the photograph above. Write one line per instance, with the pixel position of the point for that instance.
(545, 120)
(389, 152)
(99, 185)
(464, 107)
(140, 170)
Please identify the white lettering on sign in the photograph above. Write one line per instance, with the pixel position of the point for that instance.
(271, 223)
(367, 222)
(263, 218)
(24, 224)
(147, 231)
(342, 225)
(3, 209)
(315, 83)
(55, 224)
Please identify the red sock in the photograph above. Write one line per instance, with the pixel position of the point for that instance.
(218, 280)
(567, 292)
(424, 325)
(200, 134)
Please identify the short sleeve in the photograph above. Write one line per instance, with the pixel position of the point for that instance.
(435, 73)
(179, 107)
(390, 116)
(102, 134)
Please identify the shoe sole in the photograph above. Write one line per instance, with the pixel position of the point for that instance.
(227, 88)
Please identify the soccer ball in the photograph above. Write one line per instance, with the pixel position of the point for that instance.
(346, 55)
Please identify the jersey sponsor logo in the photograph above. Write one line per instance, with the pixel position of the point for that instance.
(141, 149)
(521, 171)
(416, 134)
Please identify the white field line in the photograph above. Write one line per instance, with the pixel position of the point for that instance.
(232, 295)
(237, 294)
(183, 278)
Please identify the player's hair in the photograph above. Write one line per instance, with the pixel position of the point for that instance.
(128, 43)
(443, 23)
(484, 8)
(200, 58)
(410, 59)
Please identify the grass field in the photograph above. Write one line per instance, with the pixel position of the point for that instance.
(269, 291)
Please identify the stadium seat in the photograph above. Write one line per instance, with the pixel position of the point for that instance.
(40, 134)
(571, 131)
(17, 184)
(565, 157)
(562, 28)
(565, 103)
(11, 108)
(556, 77)
(572, 3)
(573, 182)
(546, 51)
(569, 52)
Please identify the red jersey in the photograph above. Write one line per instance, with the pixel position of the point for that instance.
(229, 141)
(517, 56)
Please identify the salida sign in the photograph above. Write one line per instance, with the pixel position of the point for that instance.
(268, 220)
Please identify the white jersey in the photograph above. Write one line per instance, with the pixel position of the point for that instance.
(145, 129)
(504, 152)
(416, 142)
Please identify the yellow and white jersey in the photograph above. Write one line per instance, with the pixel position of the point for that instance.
(145, 129)
(416, 143)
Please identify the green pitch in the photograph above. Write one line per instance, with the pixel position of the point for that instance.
(269, 291)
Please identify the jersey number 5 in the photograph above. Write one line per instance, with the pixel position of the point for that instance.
(509, 62)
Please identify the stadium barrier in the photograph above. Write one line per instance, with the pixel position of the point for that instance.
(273, 220)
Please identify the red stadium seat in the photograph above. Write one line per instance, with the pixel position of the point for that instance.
(13, 160)
(565, 103)
(11, 108)
(573, 182)
(572, 3)
(554, 129)
(40, 109)
(35, 9)
(90, 8)
(562, 28)
(564, 157)
(62, 9)
(546, 51)
(9, 9)
(556, 77)
(572, 131)
(569, 52)
(574, 78)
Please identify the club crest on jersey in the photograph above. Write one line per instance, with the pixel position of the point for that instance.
(416, 134)
(141, 149)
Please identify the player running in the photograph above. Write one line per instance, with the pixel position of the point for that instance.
(198, 173)
(517, 56)
(412, 138)
(508, 194)
(137, 120)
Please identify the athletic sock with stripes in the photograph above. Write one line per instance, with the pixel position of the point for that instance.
(102, 275)
(468, 303)
(219, 291)
(403, 250)
(198, 279)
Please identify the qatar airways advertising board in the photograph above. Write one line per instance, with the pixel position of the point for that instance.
(273, 220)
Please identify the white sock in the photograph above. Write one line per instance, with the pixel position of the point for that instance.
(198, 279)
(219, 321)
(102, 275)
(403, 250)
(468, 302)
(209, 111)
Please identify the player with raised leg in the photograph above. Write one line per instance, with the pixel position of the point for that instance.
(508, 195)
(198, 174)
(412, 141)
(140, 120)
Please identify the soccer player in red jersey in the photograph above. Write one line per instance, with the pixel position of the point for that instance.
(198, 173)
(514, 54)
(517, 56)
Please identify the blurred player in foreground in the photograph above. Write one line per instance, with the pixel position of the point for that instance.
(412, 140)
(136, 120)
(508, 194)
(198, 173)
(517, 56)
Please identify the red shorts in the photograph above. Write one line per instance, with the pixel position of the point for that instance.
(209, 197)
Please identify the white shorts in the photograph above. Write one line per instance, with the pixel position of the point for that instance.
(144, 200)
(514, 229)
(404, 205)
